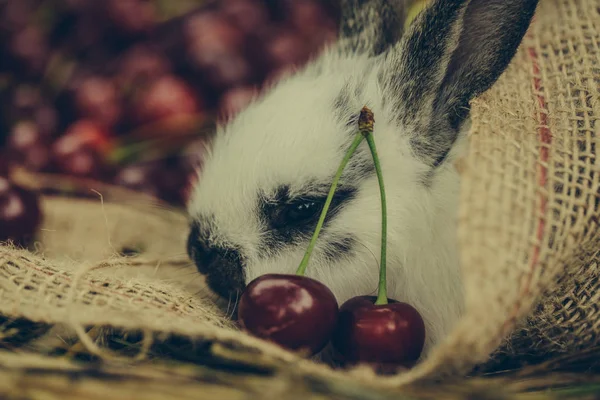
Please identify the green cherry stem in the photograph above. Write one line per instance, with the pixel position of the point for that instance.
(304, 263)
(366, 122)
(382, 292)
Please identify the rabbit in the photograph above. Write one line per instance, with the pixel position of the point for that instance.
(267, 170)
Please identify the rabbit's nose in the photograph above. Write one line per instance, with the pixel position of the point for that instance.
(203, 255)
(222, 266)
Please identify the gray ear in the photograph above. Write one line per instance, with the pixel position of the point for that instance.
(452, 52)
(371, 26)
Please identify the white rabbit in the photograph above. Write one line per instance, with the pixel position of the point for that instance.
(267, 172)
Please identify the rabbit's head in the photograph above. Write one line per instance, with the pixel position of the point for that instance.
(268, 171)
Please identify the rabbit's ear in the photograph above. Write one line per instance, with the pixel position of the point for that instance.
(452, 52)
(371, 26)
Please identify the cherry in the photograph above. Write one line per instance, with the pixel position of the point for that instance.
(294, 311)
(29, 147)
(247, 15)
(213, 33)
(29, 46)
(131, 16)
(285, 47)
(226, 69)
(392, 333)
(81, 150)
(312, 21)
(167, 97)
(97, 98)
(214, 48)
(20, 213)
(142, 64)
(16, 14)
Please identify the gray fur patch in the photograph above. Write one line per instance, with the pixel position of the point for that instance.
(371, 26)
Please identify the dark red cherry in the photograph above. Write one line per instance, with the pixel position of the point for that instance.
(167, 97)
(390, 334)
(28, 147)
(297, 312)
(97, 98)
(81, 151)
(131, 16)
(20, 213)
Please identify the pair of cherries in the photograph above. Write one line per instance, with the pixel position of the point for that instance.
(302, 314)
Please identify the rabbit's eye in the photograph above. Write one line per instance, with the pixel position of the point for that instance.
(296, 214)
(303, 211)
(286, 217)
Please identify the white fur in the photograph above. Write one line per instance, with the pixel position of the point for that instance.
(290, 136)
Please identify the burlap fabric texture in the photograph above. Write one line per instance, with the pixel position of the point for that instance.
(528, 233)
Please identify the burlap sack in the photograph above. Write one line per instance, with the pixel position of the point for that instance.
(528, 232)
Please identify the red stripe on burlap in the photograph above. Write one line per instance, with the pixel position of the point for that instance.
(545, 137)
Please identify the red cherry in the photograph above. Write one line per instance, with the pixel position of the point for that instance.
(97, 98)
(28, 146)
(212, 32)
(20, 213)
(30, 46)
(214, 47)
(284, 48)
(81, 150)
(310, 17)
(16, 14)
(390, 334)
(132, 16)
(142, 64)
(167, 97)
(247, 15)
(294, 311)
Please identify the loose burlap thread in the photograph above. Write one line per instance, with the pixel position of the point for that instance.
(528, 228)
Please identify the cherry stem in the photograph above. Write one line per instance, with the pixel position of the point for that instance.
(366, 121)
(382, 291)
(304, 263)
